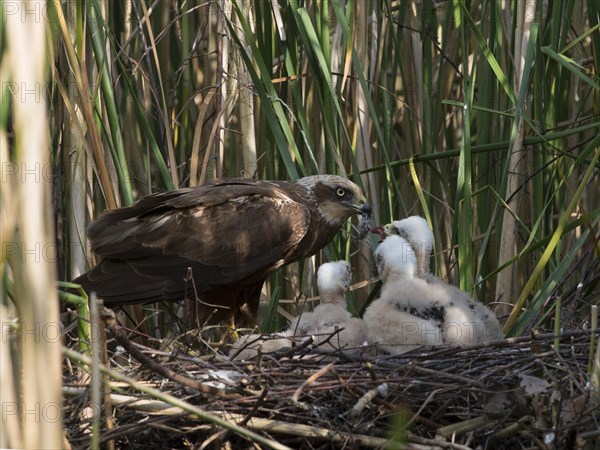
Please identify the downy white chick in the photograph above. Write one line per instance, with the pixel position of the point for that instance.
(248, 346)
(333, 279)
(467, 321)
(409, 312)
(416, 232)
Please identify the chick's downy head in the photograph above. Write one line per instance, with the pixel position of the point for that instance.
(415, 230)
(334, 278)
(395, 258)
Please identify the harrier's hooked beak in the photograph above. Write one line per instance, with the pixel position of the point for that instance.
(362, 207)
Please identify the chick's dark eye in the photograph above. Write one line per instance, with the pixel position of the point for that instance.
(340, 192)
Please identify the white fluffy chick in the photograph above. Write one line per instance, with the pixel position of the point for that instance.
(416, 232)
(409, 312)
(333, 279)
(467, 321)
(248, 346)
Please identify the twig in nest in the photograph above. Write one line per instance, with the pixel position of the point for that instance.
(512, 429)
(435, 443)
(314, 432)
(335, 333)
(121, 337)
(310, 380)
(367, 398)
(451, 376)
(417, 415)
(458, 429)
(218, 436)
(507, 342)
(295, 349)
(259, 402)
(358, 394)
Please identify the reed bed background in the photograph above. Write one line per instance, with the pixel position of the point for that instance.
(482, 116)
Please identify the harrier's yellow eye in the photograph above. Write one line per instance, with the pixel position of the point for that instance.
(340, 192)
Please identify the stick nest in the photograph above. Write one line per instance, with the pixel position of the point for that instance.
(517, 393)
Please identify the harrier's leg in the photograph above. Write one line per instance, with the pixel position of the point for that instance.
(230, 331)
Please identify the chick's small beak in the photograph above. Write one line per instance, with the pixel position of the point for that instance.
(388, 229)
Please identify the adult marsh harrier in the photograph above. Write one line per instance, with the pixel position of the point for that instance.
(217, 242)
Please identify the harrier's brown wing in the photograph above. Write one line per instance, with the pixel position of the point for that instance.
(224, 232)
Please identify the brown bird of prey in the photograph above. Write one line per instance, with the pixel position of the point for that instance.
(217, 242)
